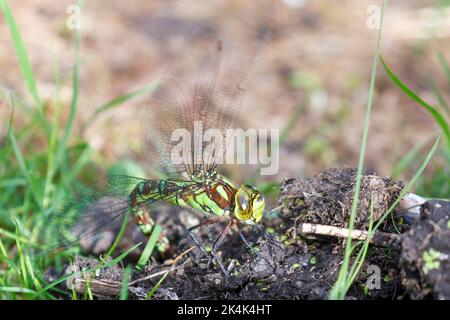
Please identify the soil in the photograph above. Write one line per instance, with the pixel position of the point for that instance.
(425, 262)
(327, 198)
(290, 265)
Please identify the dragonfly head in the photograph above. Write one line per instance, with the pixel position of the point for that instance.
(249, 204)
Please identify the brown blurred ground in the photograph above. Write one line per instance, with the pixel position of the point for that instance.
(320, 57)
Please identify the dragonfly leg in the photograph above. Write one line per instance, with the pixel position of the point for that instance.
(247, 243)
(197, 242)
(267, 236)
(219, 240)
(200, 245)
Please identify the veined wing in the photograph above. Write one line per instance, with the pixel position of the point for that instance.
(95, 211)
(202, 91)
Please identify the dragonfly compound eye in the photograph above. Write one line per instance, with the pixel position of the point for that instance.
(250, 204)
(258, 205)
(242, 209)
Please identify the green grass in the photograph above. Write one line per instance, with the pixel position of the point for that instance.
(438, 116)
(347, 274)
(149, 247)
(340, 287)
(44, 159)
(436, 184)
(157, 285)
(24, 61)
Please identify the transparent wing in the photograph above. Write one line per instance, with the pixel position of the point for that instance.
(94, 213)
(184, 127)
(177, 106)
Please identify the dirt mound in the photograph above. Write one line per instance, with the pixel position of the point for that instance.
(327, 198)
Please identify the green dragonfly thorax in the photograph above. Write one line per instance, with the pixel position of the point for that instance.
(246, 203)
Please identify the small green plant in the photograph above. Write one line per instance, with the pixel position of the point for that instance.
(313, 261)
(431, 260)
(387, 278)
(366, 291)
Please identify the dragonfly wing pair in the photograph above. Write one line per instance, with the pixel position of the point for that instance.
(204, 88)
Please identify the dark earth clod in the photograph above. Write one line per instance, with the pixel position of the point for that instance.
(327, 198)
(425, 258)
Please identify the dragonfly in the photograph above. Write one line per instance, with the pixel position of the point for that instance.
(204, 89)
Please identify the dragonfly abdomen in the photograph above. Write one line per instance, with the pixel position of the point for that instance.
(141, 197)
(150, 191)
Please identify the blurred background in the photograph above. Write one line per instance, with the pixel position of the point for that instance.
(311, 81)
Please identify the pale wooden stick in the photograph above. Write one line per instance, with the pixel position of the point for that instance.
(175, 260)
(104, 287)
(98, 287)
(379, 238)
(173, 268)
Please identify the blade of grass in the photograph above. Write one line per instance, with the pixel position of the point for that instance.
(54, 132)
(24, 170)
(269, 187)
(410, 183)
(438, 117)
(156, 287)
(354, 270)
(74, 294)
(149, 247)
(73, 104)
(360, 257)
(31, 272)
(406, 161)
(291, 123)
(439, 96)
(3, 249)
(338, 291)
(88, 291)
(17, 290)
(22, 265)
(24, 61)
(71, 172)
(12, 235)
(444, 65)
(125, 281)
(11, 183)
(119, 235)
(11, 264)
(20, 159)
